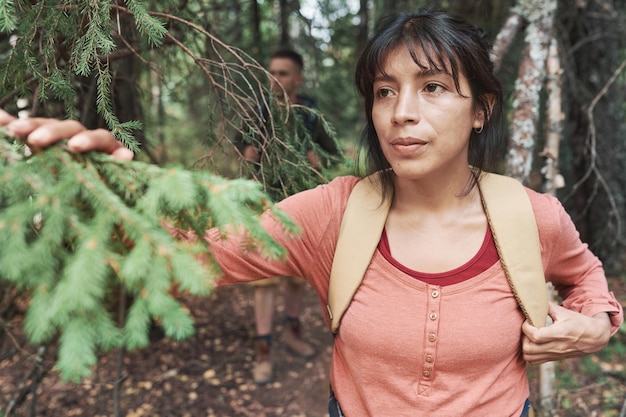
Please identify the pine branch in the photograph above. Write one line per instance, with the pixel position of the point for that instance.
(8, 19)
(75, 227)
(56, 47)
(147, 25)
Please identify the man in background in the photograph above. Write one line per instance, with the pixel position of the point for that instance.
(286, 66)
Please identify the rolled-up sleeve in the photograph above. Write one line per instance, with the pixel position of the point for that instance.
(576, 273)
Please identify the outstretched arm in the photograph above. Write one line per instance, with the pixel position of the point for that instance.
(42, 132)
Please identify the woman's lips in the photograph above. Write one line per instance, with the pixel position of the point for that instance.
(408, 145)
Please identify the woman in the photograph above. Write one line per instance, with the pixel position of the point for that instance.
(434, 329)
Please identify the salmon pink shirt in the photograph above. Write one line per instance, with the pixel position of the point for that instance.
(408, 348)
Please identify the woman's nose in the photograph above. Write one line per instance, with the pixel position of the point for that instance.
(406, 109)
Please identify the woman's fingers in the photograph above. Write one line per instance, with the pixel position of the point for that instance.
(99, 140)
(123, 154)
(44, 132)
(5, 118)
(571, 335)
(41, 132)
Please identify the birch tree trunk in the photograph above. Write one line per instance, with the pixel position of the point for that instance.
(505, 37)
(539, 65)
(554, 125)
(531, 76)
(552, 181)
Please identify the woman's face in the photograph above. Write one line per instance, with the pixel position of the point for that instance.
(422, 122)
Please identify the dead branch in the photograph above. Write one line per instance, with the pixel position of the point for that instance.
(593, 169)
(240, 89)
(35, 376)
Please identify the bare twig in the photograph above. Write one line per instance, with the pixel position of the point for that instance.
(35, 376)
(241, 97)
(593, 169)
(121, 377)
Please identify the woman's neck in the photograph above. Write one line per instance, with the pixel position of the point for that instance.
(441, 194)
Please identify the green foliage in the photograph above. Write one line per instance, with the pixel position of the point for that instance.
(566, 380)
(8, 20)
(590, 366)
(283, 169)
(57, 45)
(616, 349)
(77, 58)
(97, 38)
(75, 229)
(80, 234)
(147, 25)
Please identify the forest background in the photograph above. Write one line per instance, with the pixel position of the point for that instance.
(180, 80)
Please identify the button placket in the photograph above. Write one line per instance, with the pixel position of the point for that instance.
(431, 332)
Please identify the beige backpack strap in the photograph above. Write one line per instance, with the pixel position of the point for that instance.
(515, 233)
(512, 223)
(361, 227)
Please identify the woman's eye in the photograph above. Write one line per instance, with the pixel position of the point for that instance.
(433, 88)
(383, 92)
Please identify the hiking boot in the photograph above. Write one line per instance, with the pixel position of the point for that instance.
(262, 372)
(262, 368)
(294, 342)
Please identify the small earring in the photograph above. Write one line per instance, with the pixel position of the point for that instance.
(479, 131)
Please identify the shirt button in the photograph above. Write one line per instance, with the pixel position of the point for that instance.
(433, 316)
(430, 358)
(426, 374)
(432, 337)
(434, 294)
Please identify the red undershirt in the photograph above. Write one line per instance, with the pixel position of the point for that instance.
(483, 260)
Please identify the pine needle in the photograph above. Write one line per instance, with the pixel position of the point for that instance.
(76, 227)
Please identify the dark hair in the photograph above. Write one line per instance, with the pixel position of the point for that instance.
(289, 54)
(446, 40)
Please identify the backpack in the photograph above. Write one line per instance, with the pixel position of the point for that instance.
(512, 222)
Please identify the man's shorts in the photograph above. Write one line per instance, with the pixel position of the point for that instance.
(268, 282)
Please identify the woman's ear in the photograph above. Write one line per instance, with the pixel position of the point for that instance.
(483, 111)
(488, 102)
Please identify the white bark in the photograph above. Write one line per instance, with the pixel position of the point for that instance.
(528, 86)
(540, 63)
(554, 123)
(505, 37)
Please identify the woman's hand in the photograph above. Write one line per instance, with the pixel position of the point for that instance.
(572, 334)
(41, 132)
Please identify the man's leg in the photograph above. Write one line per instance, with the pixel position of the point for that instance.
(264, 293)
(264, 309)
(294, 294)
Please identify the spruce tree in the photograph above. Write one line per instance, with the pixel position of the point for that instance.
(79, 231)
(74, 227)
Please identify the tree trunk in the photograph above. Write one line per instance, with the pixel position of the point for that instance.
(363, 28)
(526, 105)
(255, 22)
(528, 87)
(283, 6)
(513, 25)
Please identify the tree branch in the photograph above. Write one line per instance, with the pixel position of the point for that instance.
(593, 169)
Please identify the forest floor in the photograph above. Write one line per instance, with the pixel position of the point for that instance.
(210, 373)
